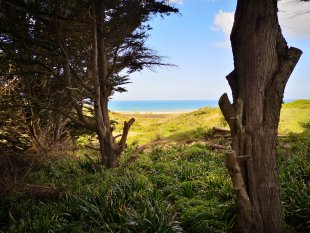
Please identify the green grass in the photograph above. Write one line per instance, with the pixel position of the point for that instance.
(187, 126)
(174, 187)
(179, 188)
(302, 103)
(149, 127)
(165, 191)
(293, 115)
(294, 167)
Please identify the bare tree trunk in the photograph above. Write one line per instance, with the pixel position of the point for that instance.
(263, 64)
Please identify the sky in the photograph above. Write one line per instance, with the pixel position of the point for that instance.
(197, 42)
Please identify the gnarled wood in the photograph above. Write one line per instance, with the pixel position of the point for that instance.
(243, 200)
(222, 130)
(263, 64)
(227, 110)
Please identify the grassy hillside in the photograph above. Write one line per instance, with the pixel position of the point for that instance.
(293, 115)
(302, 104)
(178, 186)
(149, 127)
(184, 126)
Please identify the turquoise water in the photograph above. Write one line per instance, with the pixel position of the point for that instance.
(160, 105)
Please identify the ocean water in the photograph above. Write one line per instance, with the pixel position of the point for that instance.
(163, 105)
(160, 105)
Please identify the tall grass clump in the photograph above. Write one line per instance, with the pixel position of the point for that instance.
(108, 201)
(195, 181)
(294, 165)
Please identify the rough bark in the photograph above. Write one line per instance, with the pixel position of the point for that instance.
(109, 149)
(98, 74)
(101, 89)
(263, 64)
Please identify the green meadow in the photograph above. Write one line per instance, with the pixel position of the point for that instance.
(186, 126)
(178, 183)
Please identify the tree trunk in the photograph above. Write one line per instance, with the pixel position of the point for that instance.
(263, 64)
(109, 149)
(108, 145)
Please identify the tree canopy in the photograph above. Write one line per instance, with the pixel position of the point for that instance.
(65, 56)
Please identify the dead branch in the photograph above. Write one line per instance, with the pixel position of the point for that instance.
(228, 111)
(127, 125)
(238, 183)
(220, 130)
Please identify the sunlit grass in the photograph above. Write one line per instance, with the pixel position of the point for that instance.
(174, 187)
(149, 127)
(184, 126)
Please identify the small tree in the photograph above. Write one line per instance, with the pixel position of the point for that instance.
(118, 36)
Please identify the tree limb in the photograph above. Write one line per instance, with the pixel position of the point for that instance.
(228, 111)
(238, 183)
(126, 128)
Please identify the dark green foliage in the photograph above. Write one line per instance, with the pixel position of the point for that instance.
(178, 188)
(122, 202)
(57, 54)
(195, 180)
(295, 182)
(206, 216)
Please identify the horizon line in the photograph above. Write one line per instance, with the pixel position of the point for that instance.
(286, 99)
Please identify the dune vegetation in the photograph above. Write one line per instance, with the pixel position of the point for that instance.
(177, 183)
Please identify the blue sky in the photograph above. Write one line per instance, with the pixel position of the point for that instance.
(197, 41)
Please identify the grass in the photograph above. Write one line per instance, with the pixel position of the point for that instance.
(293, 114)
(294, 167)
(180, 186)
(149, 127)
(186, 126)
(162, 192)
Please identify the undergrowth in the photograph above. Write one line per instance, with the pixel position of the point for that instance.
(176, 189)
(179, 188)
(170, 188)
(294, 167)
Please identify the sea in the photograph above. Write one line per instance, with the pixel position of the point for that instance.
(163, 105)
(160, 105)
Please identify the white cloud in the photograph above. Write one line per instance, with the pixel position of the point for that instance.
(176, 1)
(294, 18)
(223, 44)
(223, 22)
